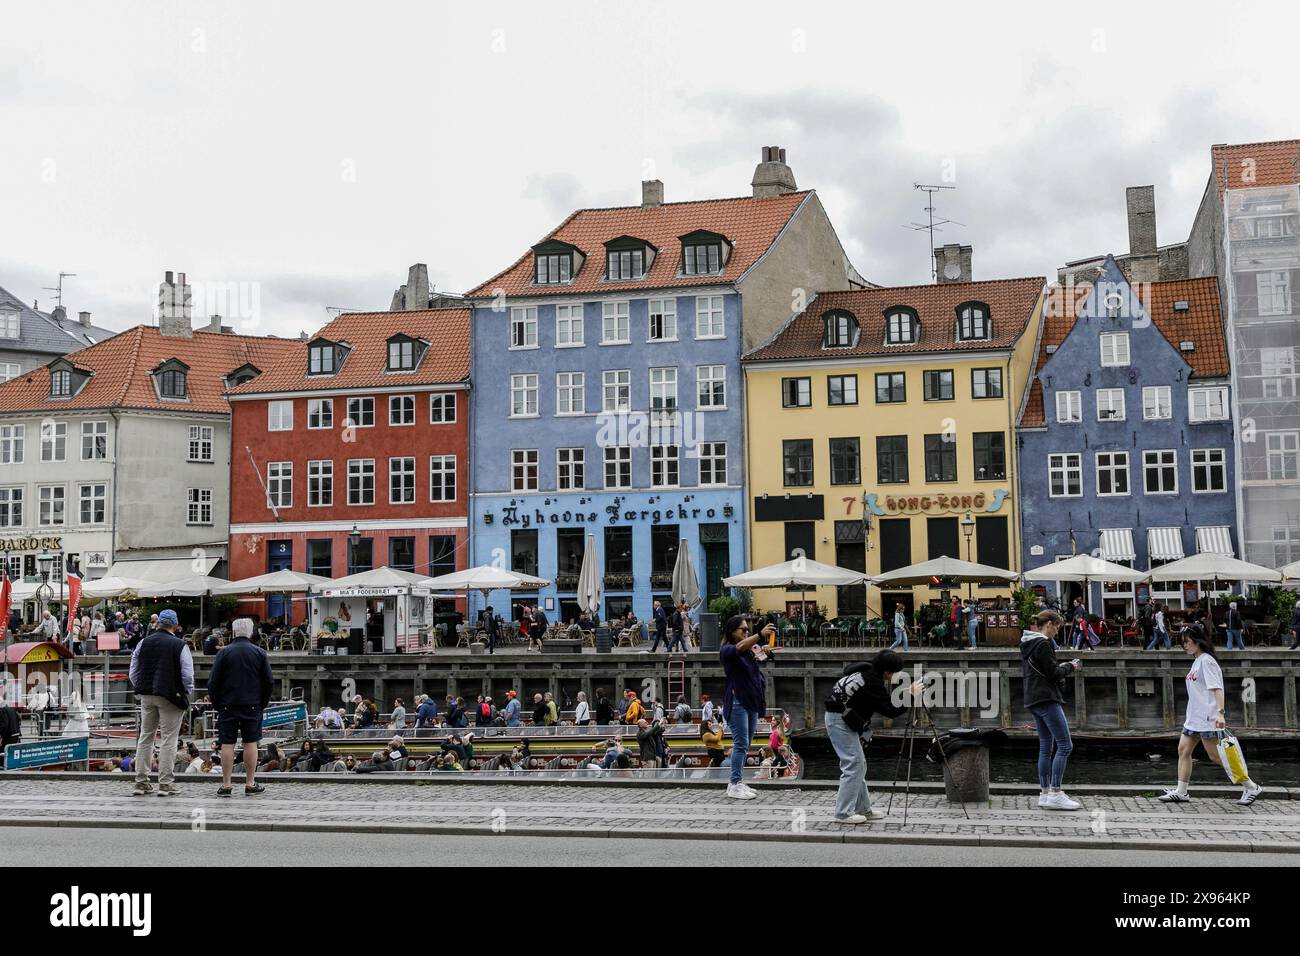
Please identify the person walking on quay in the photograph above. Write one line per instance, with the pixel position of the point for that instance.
(582, 712)
(972, 622)
(493, 630)
(1043, 678)
(1159, 630)
(744, 695)
(162, 673)
(711, 736)
(677, 628)
(900, 628)
(604, 708)
(661, 627)
(240, 688)
(1233, 624)
(1206, 719)
(861, 691)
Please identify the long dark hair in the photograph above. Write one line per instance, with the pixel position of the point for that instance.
(733, 625)
(1196, 634)
(887, 662)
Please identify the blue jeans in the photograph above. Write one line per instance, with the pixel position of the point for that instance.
(852, 796)
(1054, 744)
(900, 638)
(743, 723)
(972, 626)
(1234, 637)
(1156, 637)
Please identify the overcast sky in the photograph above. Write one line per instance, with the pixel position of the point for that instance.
(309, 153)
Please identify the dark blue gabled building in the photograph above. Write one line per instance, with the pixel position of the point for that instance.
(1126, 432)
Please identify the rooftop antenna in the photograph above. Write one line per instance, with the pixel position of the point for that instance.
(337, 310)
(58, 289)
(932, 225)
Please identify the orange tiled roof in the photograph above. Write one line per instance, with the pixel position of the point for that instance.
(1201, 323)
(750, 224)
(122, 367)
(444, 362)
(1249, 165)
(1010, 301)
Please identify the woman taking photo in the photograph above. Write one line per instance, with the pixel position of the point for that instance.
(1043, 677)
(745, 695)
(863, 690)
(1205, 720)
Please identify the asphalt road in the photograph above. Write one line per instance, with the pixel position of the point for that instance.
(53, 846)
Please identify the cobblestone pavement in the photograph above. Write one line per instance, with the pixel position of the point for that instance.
(788, 813)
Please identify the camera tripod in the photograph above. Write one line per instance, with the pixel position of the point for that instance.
(909, 741)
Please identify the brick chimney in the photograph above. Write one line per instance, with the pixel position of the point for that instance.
(1144, 260)
(174, 304)
(772, 177)
(84, 318)
(952, 263)
(652, 193)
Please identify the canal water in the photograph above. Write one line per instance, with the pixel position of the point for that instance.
(1153, 763)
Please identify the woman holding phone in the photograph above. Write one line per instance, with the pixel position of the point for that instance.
(745, 695)
(1043, 678)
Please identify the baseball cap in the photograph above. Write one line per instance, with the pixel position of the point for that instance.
(167, 617)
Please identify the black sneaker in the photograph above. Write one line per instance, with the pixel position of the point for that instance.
(255, 788)
(223, 791)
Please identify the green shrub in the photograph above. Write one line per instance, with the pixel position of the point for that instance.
(1026, 604)
(725, 606)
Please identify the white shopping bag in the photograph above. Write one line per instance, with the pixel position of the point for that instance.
(1232, 758)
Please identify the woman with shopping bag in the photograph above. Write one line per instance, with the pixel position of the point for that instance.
(1206, 723)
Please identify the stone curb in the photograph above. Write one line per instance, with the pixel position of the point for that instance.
(855, 836)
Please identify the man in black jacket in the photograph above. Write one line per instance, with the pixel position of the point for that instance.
(162, 673)
(862, 690)
(240, 688)
(11, 726)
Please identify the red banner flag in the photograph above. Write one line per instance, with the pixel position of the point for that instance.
(74, 601)
(6, 599)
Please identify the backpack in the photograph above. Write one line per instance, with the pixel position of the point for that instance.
(485, 710)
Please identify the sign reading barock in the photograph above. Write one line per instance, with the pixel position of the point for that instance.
(31, 544)
(616, 511)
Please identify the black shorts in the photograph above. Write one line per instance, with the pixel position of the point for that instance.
(243, 722)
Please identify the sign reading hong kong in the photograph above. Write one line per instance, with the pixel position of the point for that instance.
(31, 544)
(513, 515)
(937, 504)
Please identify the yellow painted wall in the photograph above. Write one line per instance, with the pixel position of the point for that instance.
(769, 424)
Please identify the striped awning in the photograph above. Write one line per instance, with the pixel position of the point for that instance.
(1164, 544)
(1214, 540)
(1117, 544)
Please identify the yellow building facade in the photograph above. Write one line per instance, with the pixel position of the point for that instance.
(880, 433)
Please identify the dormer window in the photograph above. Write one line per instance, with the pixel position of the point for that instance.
(322, 359)
(66, 380)
(404, 353)
(973, 322)
(245, 373)
(841, 330)
(627, 258)
(703, 253)
(556, 262)
(172, 383)
(61, 384)
(901, 326)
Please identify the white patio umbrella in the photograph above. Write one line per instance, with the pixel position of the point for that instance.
(112, 587)
(199, 586)
(686, 583)
(801, 573)
(1291, 572)
(963, 571)
(384, 577)
(277, 582)
(485, 577)
(589, 580)
(1084, 569)
(1214, 567)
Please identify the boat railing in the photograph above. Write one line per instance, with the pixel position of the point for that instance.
(384, 730)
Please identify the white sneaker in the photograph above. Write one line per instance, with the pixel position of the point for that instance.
(1042, 801)
(1173, 796)
(875, 814)
(1250, 794)
(750, 792)
(1059, 801)
(855, 818)
(738, 791)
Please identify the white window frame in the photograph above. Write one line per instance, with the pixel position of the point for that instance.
(1111, 400)
(13, 444)
(201, 440)
(402, 467)
(442, 401)
(617, 312)
(666, 310)
(524, 385)
(619, 457)
(525, 471)
(60, 499)
(442, 475)
(1277, 370)
(1168, 457)
(401, 411)
(1286, 451)
(11, 326)
(615, 381)
(570, 332)
(1073, 407)
(665, 466)
(321, 411)
(91, 431)
(13, 495)
(711, 308)
(1115, 350)
(1157, 403)
(9, 371)
(1273, 289)
(360, 469)
(1208, 398)
(279, 484)
(83, 500)
(663, 385)
(523, 328)
(713, 463)
(568, 463)
(1208, 461)
(359, 408)
(54, 441)
(320, 483)
(198, 503)
(276, 418)
(1112, 468)
(1065, 464)
(706, 377)
(570, 393)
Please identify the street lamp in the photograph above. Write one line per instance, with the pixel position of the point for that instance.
(354, 539)
(968, 529)
(45, 561)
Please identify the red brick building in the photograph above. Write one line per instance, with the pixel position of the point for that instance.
(352, 453)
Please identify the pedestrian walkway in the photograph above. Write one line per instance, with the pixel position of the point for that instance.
(786, 813)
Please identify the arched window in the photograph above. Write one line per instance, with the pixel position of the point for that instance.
(901, 326)
(973, 321)
(841, 329)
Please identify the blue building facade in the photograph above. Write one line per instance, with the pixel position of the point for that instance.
(1126, 435)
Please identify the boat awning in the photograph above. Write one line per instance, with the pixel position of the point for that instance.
(1164, 544)
(1117, 544)
(1214, 540)
(164, 570)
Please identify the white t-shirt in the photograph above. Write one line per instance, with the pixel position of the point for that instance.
(1203, 680)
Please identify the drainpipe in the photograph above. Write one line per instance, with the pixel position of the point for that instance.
(117, 456)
